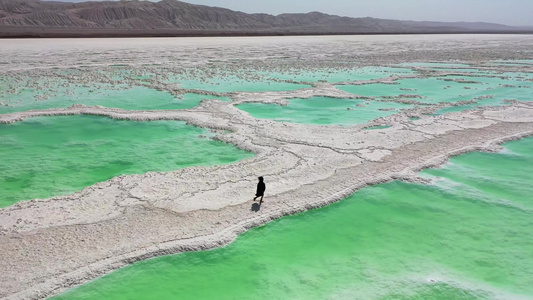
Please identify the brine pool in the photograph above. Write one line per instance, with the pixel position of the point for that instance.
(49, 156)
(131, 98)
(469, 235)
(324, 111)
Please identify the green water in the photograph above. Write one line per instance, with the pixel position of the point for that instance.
(49, 156)
(467, 236)
(512, 88)
(233, 82)
(378, 127)
(498, 90)
(324, 111)
(438, 90)
(465, 70)
(511, 62)
(121, 96)
(338, 75)
(433, 90)
(434, 64)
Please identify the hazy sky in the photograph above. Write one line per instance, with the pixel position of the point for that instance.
(509, 12)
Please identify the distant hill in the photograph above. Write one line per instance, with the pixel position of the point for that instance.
(34, 17)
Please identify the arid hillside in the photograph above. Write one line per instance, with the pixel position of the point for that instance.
(171, 16)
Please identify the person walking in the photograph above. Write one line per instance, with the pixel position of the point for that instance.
(261, 187)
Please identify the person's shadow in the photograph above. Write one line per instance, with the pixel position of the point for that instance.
(256, 207)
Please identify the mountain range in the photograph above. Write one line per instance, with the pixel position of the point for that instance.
(172, 17)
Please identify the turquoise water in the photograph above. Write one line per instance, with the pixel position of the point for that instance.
(378, 127)
(132, 98)
(438, 90)
(465, 70)
(511, 62)
(467, 236)
(338, 75)
(433, 90)
(258, 80)
(20, 94)
(434, 64)
(232, 82)
(50, 156)
(324, 111)
(484, 102)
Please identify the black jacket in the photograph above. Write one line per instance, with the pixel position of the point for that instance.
(260, 189)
